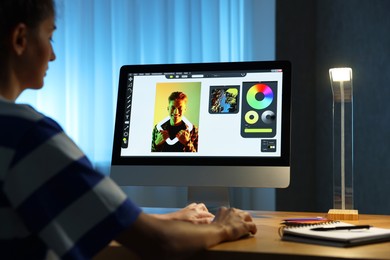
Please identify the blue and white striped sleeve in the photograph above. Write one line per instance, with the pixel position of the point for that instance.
(61, 198)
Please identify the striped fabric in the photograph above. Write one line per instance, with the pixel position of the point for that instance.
(51, 198)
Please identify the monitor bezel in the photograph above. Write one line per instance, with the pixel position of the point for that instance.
(283, 160)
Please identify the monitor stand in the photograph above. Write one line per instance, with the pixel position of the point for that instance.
(212, 197)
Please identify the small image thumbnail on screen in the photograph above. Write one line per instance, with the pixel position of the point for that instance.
(224, 99)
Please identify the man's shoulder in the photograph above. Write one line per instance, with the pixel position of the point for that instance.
(23, 119)
(21, 111)
(194, 128)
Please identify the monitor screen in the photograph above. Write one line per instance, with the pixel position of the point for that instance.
(221, 124)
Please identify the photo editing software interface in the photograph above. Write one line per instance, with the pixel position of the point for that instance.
(232, 113)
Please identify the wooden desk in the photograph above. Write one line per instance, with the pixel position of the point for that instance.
(266, 244)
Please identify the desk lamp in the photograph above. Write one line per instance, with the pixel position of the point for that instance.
(341, 84)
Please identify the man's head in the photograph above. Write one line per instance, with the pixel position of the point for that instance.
(26, 28)
(177, 106)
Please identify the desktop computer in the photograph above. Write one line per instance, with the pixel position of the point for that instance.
(205, 126)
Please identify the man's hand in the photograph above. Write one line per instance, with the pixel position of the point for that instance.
(196, 213)
(183, 136)
(237, 223)
(161, 137)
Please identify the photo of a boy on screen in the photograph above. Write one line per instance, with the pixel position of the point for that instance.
(175, 133)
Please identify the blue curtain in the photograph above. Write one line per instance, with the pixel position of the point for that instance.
(96, 37)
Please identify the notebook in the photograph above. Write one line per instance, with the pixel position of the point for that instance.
(338, 238)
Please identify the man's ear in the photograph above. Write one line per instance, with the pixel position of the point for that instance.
(19, 38)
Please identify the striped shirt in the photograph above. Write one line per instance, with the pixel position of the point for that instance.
(52, 201)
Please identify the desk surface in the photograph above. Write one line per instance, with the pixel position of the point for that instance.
(268, 245)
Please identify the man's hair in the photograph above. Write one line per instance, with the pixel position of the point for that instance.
(29, 12)
(177, 95)
(13, 12)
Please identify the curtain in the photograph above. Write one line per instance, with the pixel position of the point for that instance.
(94, 38)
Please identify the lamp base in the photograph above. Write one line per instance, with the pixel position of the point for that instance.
(343, 214)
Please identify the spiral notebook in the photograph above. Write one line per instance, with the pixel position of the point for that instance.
(338, 238)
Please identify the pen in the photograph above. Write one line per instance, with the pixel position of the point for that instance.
(341, 228)
(304, 219)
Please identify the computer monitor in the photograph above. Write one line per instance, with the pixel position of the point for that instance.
(231, 128)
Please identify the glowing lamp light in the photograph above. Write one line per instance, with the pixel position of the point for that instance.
(340, 74)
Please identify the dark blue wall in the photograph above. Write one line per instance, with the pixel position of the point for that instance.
(317, 35)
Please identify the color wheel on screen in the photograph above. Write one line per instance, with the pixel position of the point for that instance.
(265, 93)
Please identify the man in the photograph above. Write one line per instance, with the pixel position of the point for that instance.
(53, 203)
(175, 133)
